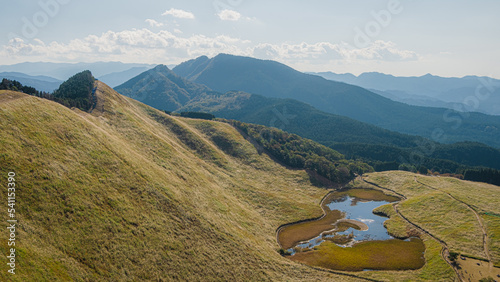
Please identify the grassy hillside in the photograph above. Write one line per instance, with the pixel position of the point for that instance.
(129, 193)
(446, 212)
(453, 210)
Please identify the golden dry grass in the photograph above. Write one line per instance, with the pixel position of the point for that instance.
(378, 255)
(481, 196)
(118, 195)
(439, 204)
(129, 193)
(493, 229)
(475, 270)
(448, 220)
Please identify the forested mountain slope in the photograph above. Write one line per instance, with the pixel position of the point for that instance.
(271, 79)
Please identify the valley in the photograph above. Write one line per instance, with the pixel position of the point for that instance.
(243, 141)
(356, 240)
(100, 172)
(382, 149)
(272, 79)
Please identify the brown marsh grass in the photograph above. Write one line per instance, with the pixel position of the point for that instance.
(377, 255)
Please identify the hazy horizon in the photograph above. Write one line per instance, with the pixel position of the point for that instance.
(171, 66)
(448, 38)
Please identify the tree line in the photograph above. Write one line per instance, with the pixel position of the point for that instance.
(297, 152)
(15, 85)
(486, 175)
(78, 91)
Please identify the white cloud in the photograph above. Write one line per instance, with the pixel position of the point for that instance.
(326, 51)
(385, 51)
(177, 13)
(136, 45)
(229, 15)
(366, 220)
(154, 23)
(146, 46)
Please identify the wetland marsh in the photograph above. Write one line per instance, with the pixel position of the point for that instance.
(350, 236)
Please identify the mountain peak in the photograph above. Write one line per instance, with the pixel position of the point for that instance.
(162, 88)
(225, 55)
(161, 67)
(374, 75)
(202, 58)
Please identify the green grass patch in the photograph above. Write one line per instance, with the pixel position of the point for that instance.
(377, 255)
(395, 225)
(492, 224)
(447, 219)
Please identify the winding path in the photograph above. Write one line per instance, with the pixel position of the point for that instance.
(479, 219)
(444, 250)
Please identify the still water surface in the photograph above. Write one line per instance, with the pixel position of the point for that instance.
(359, 210)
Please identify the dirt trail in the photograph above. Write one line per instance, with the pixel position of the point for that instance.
(479, 219)
(444, 250)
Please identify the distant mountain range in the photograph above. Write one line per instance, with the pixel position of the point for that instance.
(116, 78)
(111, 73)
(40, 82)
(429, 90)
(272, 79)
(63, 71)
(163, 89)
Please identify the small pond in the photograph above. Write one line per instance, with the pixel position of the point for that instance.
(350, 236)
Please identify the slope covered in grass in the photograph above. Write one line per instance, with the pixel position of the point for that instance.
(446, 212)
(130, 193)
(455, 211)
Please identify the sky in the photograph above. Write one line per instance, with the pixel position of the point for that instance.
(450, 38)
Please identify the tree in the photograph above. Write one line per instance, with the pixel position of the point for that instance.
(77, 91)
(302, 153)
